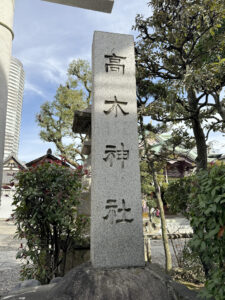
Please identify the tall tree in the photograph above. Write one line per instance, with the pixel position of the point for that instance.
(56, 117)
(181, 62)
(156, 161)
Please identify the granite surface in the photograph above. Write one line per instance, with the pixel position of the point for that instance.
(99, 5)
(116, 212)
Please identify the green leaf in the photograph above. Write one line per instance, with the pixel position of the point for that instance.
(203, 246)
(212, 208)
(213, 232)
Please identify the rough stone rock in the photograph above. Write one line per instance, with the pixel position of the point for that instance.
(86, 283)
(56, 280)
(33, 293)
(26, 284)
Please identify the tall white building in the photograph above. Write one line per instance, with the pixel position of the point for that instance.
(14, 107)
(6, 37)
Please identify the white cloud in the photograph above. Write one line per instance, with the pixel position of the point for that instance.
(43, 63)
(29, 87)
(54, 70)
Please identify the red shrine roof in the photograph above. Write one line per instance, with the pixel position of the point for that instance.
(48, 157)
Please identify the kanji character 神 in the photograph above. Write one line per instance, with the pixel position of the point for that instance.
(112, 153)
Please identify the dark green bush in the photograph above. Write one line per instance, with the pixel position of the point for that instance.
(177, 195)
(45, 214)
(207, 215)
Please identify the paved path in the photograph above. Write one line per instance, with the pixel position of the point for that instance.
(10, 267)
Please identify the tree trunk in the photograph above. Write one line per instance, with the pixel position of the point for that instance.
(163, 223)
(201, 160)
(56, 252)
(166, 175)
(159, 200)
(147, 247)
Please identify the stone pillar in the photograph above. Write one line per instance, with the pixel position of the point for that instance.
(98, 5)
(6, 36)
(116, 212)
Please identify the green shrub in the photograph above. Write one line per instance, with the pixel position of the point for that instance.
(45, 214)
(207, 216)
(201, 198)
(177, 195)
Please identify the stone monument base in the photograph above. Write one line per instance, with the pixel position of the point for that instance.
(86, 283)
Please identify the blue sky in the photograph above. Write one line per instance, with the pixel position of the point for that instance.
(48, 37)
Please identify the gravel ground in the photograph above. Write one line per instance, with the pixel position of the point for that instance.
(8, 279)
(9, 265)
